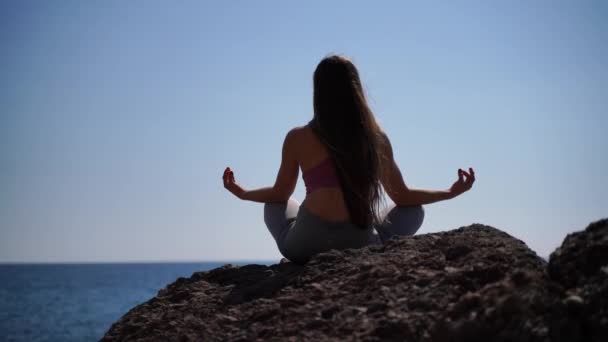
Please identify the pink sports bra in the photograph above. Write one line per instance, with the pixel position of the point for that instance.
(322, 175)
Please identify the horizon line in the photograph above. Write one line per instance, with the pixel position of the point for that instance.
(240, 261)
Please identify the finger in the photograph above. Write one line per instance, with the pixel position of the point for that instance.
(467, 176)
(472, 174)
(460, 179)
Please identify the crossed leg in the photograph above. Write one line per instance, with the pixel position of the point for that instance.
(400, 221)
(279, 218)
(397, 220)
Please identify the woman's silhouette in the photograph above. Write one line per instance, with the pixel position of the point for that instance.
(346, 159)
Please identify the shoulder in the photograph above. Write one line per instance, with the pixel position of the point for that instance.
(296, 133)
(383, 139)
(385, 144)
(294, 138)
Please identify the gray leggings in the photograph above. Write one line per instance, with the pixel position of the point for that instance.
(300, 234)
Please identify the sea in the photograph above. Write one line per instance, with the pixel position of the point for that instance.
(79, 302)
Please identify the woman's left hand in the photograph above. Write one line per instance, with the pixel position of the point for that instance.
(230, 183)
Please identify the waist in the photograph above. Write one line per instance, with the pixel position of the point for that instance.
(327, 204)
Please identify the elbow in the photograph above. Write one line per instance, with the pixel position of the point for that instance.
(404, 198)
(405, 203)
(282, 199)
(281, 195)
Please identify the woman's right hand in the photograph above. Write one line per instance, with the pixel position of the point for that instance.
(230, 184)
(464, 183)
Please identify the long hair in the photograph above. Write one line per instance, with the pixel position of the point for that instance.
(346, 125)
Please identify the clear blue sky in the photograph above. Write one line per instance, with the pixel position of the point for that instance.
(117, 118)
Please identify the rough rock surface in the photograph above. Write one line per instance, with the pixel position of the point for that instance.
(474, 283)
(581, 266)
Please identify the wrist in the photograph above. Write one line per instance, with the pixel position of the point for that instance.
(239, 192)
(451, 194)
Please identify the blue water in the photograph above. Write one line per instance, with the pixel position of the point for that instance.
(78, 302)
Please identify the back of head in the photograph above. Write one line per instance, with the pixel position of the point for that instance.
(346, 125)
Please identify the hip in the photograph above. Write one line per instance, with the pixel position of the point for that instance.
(311, 234)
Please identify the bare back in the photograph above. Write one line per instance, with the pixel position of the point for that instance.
(327, 203)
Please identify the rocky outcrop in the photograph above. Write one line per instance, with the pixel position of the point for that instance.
(474, 283)
(580, 265)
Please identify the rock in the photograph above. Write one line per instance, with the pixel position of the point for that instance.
(475, 283)
(581, 256)
(578, 265)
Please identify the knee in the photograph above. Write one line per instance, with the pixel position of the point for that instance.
(416, 211)
(280, 210)
(412, 214)
(269, 209)
(410, 209)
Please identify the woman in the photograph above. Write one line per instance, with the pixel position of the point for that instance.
(346, 160)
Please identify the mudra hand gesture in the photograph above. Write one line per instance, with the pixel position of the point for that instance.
(230, 184)
(464, 183)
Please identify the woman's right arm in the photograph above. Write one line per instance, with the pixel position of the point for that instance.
(402, 195)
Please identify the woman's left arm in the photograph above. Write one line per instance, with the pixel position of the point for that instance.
(284, 185)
